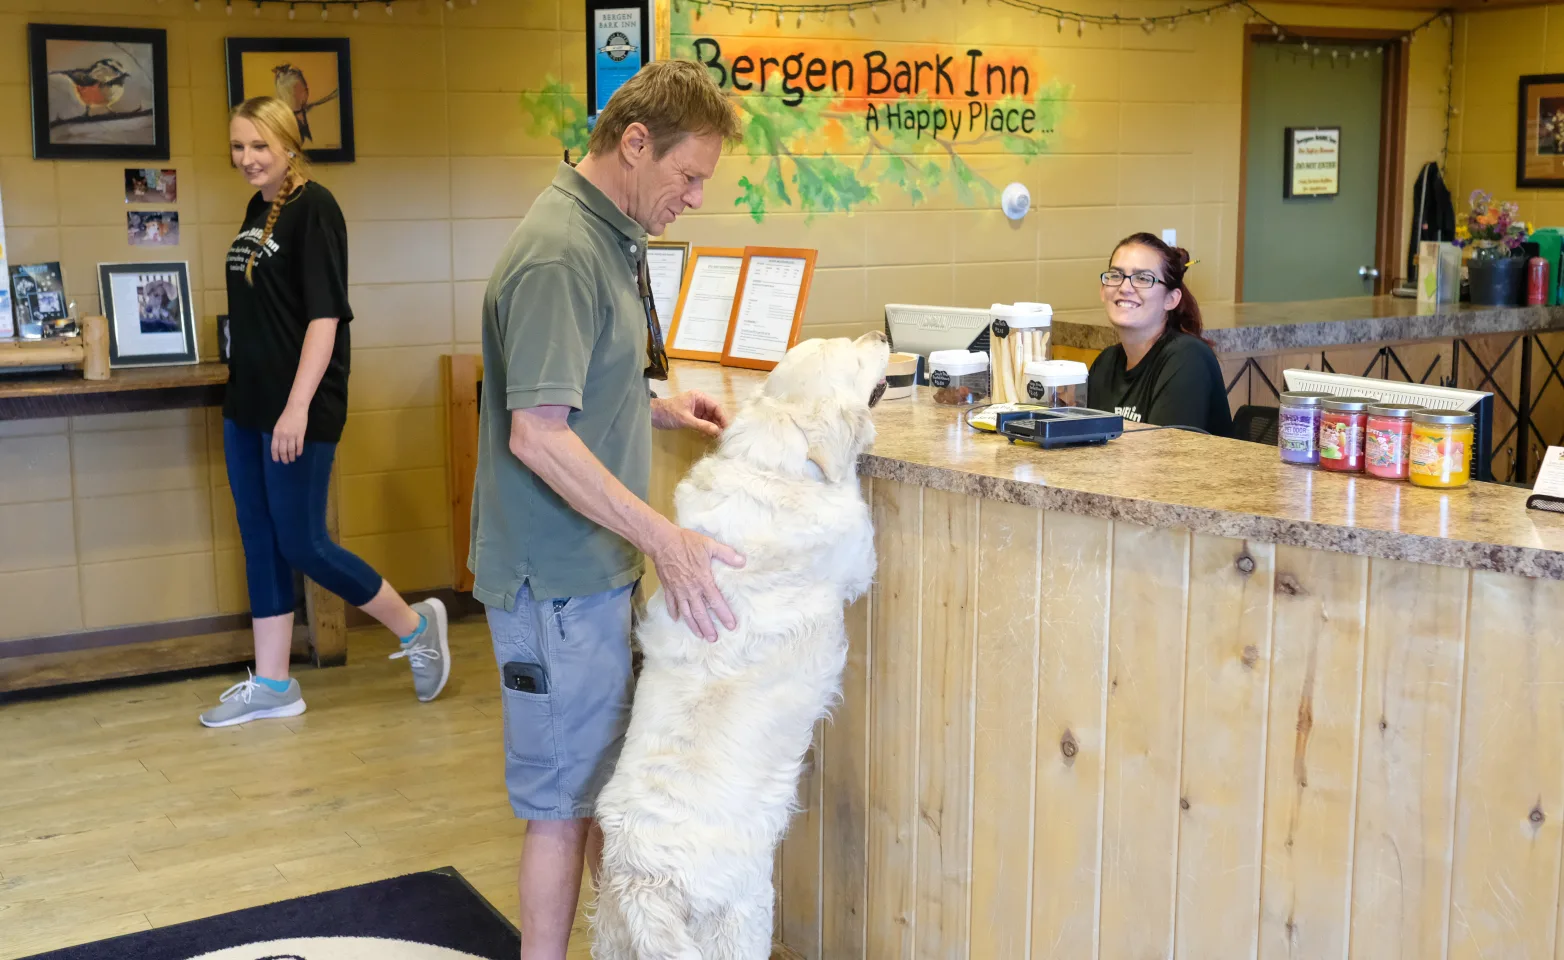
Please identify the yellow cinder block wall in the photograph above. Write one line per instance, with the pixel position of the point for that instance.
(1493, 50)
(114, 520)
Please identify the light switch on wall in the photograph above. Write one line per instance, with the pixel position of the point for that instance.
(1170, 237)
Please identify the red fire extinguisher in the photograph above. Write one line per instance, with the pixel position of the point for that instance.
(1536, 281)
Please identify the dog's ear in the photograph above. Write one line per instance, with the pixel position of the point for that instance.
(836, 435)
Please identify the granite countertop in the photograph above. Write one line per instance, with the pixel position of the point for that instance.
(1245, 328)
(1173, 478)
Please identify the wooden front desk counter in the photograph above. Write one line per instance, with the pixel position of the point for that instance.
(1172, 697)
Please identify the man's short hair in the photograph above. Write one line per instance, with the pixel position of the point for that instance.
(673, 99)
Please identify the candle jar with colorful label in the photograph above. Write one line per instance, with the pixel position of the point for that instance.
(1298, 426)
(1441, 448)
(1342, 421)
(1387, 438)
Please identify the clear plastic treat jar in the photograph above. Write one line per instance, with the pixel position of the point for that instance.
(1018, 334)
(959, 376)
(1055, 383)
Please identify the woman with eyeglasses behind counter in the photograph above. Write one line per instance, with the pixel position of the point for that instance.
(1160, 371)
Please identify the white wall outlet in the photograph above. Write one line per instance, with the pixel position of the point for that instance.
(1170, 237)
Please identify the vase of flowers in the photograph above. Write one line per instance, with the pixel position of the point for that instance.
(1495, 270)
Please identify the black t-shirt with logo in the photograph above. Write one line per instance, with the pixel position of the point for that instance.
(300, 275)
(1177, 383)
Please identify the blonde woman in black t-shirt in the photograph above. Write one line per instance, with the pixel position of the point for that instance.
(1161, 371)
(286, 404)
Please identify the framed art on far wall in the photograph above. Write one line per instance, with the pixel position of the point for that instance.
(98, 93)
(312, 75)
(1539, 136)
(151, 319)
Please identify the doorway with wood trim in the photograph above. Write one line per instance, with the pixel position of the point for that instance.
(1322, 152)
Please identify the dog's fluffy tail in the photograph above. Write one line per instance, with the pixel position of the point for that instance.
(641, 919)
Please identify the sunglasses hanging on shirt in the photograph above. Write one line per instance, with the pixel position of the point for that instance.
(656, 356)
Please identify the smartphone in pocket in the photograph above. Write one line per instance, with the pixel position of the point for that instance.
(524, 677)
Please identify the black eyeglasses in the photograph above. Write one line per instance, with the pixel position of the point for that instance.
(1140, 279)
(656, 356)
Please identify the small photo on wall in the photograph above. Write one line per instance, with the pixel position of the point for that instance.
(151, 185)
(152, 228)
(98, 93)
(312, 76)
(1539, 141)
(151, 319)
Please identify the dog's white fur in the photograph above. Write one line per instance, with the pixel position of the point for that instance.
(706, 781)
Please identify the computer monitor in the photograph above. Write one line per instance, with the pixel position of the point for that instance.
(921, 330)
(1421, 394)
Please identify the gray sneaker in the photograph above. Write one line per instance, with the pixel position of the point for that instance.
(429, 655)
(249, 700)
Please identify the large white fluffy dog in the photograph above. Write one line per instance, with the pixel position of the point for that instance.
(707, 778)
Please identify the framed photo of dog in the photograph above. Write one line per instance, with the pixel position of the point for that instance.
(705, 307)
(312, 75)
(768, 310)
(151, 320)
(98, 93)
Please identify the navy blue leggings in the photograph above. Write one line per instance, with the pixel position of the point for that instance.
(282, 523)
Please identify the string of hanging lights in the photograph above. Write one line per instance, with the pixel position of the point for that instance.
(324, 7)
(1063, 19)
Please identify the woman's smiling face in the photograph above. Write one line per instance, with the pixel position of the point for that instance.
(1130, 307)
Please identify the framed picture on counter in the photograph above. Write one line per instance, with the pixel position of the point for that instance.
(151, 320)
(665, 263)
(1539, 136)
(773, 289)
(699, 330)
(99, 93)
(312, 75)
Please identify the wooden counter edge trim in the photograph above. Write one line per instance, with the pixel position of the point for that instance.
(1304, 334)
(1333, 538)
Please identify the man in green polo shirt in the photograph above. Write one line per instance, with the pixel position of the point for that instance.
(560, 521)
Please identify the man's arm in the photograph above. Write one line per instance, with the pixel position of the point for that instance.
(541, 438)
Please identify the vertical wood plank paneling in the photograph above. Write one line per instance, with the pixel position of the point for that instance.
(799, 924)
(944, 824)
(1008, 544)
(844, 783)
(1146, 632)
(1223, 795)
(1312, 756)
(1071, 702)
(895, 609)
(1406, 777)
(1510, 799)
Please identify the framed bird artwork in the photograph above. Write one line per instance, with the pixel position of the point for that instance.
(312, 75)
(99, 93)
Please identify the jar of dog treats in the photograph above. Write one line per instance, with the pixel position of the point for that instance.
(1055, 383)
(1018, 335)
(959, 376)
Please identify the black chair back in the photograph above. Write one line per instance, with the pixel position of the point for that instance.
(1256, 424)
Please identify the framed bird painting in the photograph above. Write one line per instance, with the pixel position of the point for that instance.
(99, 93)
(313, 76)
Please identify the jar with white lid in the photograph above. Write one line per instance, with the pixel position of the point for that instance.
(1018, 335)
(1055, 383)
(959, 376)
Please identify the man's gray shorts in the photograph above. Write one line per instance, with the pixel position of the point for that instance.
(561, 746)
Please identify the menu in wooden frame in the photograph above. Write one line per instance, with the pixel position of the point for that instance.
(768, 311)
(701, 318)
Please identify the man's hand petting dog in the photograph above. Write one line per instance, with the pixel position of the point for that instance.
(683, 561)
(691, 410)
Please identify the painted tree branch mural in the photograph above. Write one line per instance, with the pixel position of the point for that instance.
(879, 123)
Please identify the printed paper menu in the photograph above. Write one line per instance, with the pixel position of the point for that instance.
(703, 327)
(766, 311)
